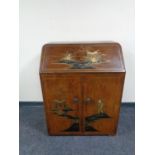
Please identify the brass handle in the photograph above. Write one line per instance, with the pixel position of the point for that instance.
(88, 100)
(75, 100)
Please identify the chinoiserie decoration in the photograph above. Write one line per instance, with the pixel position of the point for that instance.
(68, 57)
(94, 57)
(100, 105)
(90, 58)
(61, 109)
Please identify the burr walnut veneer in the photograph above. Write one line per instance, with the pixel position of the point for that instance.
(82, 87)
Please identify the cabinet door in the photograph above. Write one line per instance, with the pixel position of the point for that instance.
(62, 98)
(102, 96)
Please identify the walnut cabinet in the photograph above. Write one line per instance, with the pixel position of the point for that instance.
(82, 87)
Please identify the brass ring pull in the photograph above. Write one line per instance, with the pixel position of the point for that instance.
(88, 100)
(75, 100)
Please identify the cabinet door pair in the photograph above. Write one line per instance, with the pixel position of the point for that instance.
(82, 106)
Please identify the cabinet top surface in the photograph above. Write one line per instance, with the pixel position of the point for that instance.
(92, 57)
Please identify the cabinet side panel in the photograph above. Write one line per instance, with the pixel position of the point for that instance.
(44, 101)
(117, 106)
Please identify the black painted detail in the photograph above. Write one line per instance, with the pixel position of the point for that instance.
(90, 119)
(61, 109)
(96, 117)
(73, 128)
(77, 64)
(89, 128)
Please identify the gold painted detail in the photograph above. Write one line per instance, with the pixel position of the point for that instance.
(60, 107)
(87, 60)
(94, 57)
(100, 106)
(67, 57)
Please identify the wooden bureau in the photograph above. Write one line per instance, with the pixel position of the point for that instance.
(82, 87)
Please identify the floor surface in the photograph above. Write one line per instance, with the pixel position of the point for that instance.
(34, 139)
